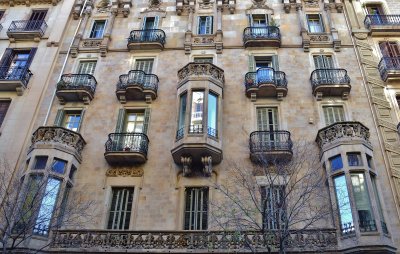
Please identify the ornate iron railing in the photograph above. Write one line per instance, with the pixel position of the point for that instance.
(261, 33)
(265, 76)
(127, 142)
(138, 78)
(201, 70)
(269, 141)
(196, 129)
(388, 64)
(347, 229)
(16, 73)
(63, 136)
(342, 131)
(147, 35)
(77, 81)
(381, 20)
(329, 77)
(28, 26)
(367, 225)
(193, 241)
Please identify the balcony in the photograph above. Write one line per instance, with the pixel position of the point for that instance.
(383, 25)
(389, 68)
(149, 39)
(14, 79)
(266, 82)
(330, 82)
(137, 85)
(26, 30)
(197, 146)
(201, 72)
(343, 133)
(268, 146)
(62, 139)
(126, 148)
(323, 240)
(76, 87)
(268, 36)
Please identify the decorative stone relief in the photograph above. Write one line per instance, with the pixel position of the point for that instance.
(206, 4)
(207, 165)
(29, 2)
(91, 43)
(311, 3)
(201, 69)
(104, 6)
(187, 165)
(124, 172)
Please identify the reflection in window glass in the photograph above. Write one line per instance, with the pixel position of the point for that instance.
(212, 115)
(72, 121)
(354, 159)
(46, 207)
(196, 120)
(336, 162)
(59, 166)
(378, 200)
(40, 162)
(362, 201)
(343, 202)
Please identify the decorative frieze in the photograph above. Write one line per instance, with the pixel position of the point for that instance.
(124, 172)
(186, 241)
(29, 2)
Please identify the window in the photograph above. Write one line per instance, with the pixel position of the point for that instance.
(145, 65)
(389, 48)
(315, 24)
(196, 208)
(69, 119)
(87, 67)
(98, 29)
(121, 208)
(150, 23)
(182, 113)
(72, 172)
(333, 114)
(58, 166)
(343, 203)
(378, 200)
(374, 9)
(336, 162)
(323, 62)
(196, 118)
(203, 60)
(274, 212)
(47, 205)
(4, 105)
(354, 159)
(15, 63)
(258, 20)
(362, 201)
(267, 119)
(212, 115)
(370, 162)
(205, 25)
(40, 162)
(134, 122)
(36, 20)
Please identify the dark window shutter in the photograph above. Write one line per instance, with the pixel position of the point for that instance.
(275, 62)
(146, 120)
(59, 118)
(7, 57)
(4, 105)
(80, 122)
(120, 121)
(31, 55)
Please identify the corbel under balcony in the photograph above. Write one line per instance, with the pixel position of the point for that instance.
(321, 40)
(205, 41)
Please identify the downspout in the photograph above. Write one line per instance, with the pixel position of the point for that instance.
(65, 62)
(374, 118)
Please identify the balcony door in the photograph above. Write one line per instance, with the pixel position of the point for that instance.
(145, 65)
(134, 123)
(36, 19)
(324, 62)
(258, 23)
(149, 24)
(263, 65)
(14, 63)
(267, 124)
(85, 67)
(391, 52)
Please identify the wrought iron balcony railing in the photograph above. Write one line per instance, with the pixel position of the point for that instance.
(265, 76)
(388, 65)
(194, 241)
(28, 26)
(138, 78)
(127, 142)
(381, 20)
(329, 77)
(15, 74)
(270, 141)
(77, 82)
(147, 35)
(196, 129)
(347, 229)
(367, 225)
(261, 33)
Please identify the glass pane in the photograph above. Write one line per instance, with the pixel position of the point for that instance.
(212, 114)
(40, 162)
(121, 208)
(343, 202)
(47, 206)
(336, 162)
(59, 166)
(362, 201)
(354, 159)
(72, 121)
(196, 208)
(182, 111)
(196, 120)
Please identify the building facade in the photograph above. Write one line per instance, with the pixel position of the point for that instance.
(148, 103)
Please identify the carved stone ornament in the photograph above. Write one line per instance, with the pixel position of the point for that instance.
(361, 35)
(311, 3)
(319, 38)
(203, 40)
(187, 165)
(91, 43)
(260, 4)
(201, 69)
(124, 172)
(207, 165)
(104, 6)
(206, 4)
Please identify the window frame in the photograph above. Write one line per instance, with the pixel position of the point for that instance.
(200, 22)
(185, 211)
(321, 23)
(130, 217)
(323, 106)
(6, 104)
(91, 31)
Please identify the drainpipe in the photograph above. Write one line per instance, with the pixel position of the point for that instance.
(374, 118)
(65, 61)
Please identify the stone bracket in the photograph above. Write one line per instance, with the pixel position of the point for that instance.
(187, 165)
(207, 165)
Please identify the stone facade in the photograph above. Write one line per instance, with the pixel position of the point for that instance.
(158, 177)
